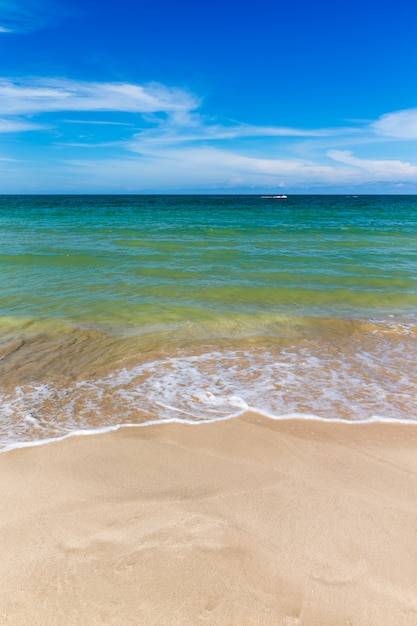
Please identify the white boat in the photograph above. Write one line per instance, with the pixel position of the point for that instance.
(280, 197)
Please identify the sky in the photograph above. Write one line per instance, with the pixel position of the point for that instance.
(220, 97)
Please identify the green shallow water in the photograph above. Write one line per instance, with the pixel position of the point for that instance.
(114, 259)
(122, 309)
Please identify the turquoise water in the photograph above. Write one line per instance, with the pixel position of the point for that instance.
(125, 309)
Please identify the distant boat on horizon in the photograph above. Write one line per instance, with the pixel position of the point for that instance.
(275, 197)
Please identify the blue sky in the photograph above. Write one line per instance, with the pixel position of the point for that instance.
(164, 97)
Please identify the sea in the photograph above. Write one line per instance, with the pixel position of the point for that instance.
(135, 309)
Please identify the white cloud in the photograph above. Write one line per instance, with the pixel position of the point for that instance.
(14, 126)
(189, 127)
(170, 132)
(20, 16)
(179, 148)
(53, 95)
(199, 169)
(381, 169)
(182, 124)
(399, 124)
(98, 122)
(203, 168)
(210, 167)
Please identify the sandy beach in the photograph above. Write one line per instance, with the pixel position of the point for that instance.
(247, 521)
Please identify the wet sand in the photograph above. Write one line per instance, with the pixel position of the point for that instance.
(244, 522)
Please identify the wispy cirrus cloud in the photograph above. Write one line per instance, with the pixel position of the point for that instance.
(398, 124)
(21, 16)
(152, 136)
(200, 168)
(191, 168)
(383, 169)
(35, 96)
(197, 129)
(98, 122)
(181, 122)
(17, 126)
(208, 168)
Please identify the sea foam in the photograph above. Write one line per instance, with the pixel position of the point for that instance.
(312, 382)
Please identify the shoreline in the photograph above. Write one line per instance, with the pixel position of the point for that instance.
(249, 520)
(298, 417)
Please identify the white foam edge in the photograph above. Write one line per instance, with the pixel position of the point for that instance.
(374, 419)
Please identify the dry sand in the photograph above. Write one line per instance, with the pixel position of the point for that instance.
(243, 522)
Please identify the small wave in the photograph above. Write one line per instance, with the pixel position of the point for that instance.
(311, 380)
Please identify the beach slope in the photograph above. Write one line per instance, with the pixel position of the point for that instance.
(244, 522)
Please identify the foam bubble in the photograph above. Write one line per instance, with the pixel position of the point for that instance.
(311, 379)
